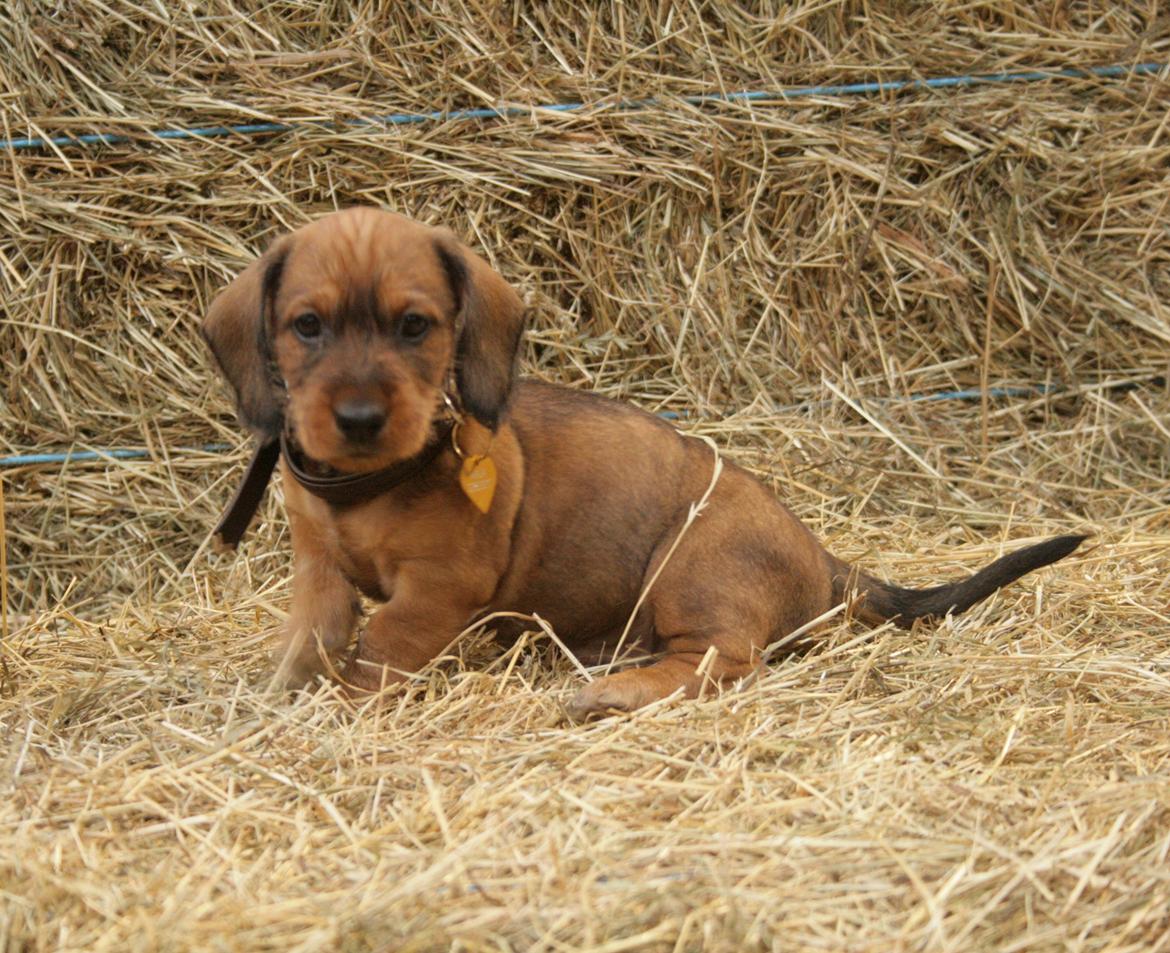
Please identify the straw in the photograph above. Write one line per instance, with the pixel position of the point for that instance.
(782, 276)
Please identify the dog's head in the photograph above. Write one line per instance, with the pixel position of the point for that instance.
(361, 317)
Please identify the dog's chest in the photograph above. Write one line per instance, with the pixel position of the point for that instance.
(364, 557)
(363, 575)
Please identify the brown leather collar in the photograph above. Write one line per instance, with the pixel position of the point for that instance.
(347, 489)
(244, 504)
(342, 489)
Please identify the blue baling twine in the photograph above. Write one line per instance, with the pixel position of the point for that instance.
(80, 456)
(747, 96)
(1033, 390)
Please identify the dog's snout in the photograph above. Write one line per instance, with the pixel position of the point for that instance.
(359, 420)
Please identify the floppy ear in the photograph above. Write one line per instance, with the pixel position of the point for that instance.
(236, 329)
(491, 318)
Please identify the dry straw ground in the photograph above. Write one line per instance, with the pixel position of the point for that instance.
(776, 272)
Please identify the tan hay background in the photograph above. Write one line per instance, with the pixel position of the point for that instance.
(1001, 782)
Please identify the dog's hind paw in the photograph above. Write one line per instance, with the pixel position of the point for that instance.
(623, 692)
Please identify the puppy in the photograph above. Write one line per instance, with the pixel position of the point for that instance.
(417, 470)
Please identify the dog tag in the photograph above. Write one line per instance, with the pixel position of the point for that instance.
(478, 479)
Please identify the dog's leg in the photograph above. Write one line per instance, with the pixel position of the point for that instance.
(691, 615)
(744, 574)
(426, 614)
(324, 608)
(399, 639)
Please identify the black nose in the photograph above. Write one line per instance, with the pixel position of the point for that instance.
(359, 420)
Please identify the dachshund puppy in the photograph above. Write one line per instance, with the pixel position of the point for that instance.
(418, 471)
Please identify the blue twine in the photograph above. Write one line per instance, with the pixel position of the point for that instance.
(1032, 390)
(71, 456)
(77, 456)
(977, 394)
(458, 115)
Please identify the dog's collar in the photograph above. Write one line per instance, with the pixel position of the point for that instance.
(347, 489)
(343, 489)
(239, 512)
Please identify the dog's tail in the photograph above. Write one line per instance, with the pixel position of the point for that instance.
(882, 602)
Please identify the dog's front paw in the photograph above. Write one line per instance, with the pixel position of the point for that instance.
(360, 678)
(293, 670)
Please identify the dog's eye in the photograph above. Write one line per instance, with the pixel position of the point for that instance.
(413, 327)
(307, 326)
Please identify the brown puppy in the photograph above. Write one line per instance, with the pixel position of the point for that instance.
(360, 337)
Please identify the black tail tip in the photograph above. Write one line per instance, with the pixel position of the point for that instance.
(1049, 551)
(1063, 545)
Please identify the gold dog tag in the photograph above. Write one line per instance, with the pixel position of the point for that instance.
(477, 476)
